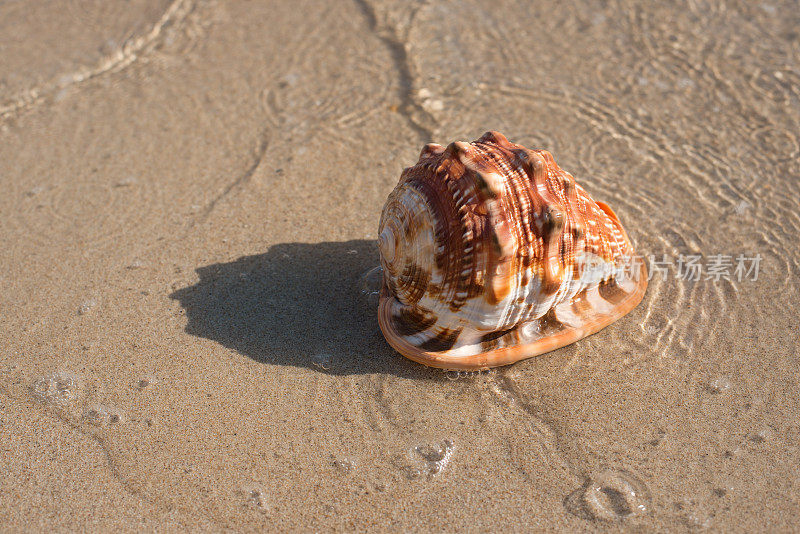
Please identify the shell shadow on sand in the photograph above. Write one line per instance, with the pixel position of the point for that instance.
(297, 304)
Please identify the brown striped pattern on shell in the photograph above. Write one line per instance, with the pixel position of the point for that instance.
(483, 244)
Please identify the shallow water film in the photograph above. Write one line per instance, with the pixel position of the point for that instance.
(190, 198)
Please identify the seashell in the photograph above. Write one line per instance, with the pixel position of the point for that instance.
(492, 253)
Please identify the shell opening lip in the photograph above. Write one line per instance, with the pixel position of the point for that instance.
(510, 354)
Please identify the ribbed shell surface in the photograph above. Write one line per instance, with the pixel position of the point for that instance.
(479, 238)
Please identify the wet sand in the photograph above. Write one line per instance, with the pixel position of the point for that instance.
(190, 197)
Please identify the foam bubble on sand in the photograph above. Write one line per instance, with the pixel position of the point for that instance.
(86, 306)
(460, 375)
(370, 283)
(436, 456)
(425, 460)
(610, 495)
(322, 360)
(255, 497)
(344, 465)
(59, 389)
(719, 385)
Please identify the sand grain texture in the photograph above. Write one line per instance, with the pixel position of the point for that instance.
(190, 195)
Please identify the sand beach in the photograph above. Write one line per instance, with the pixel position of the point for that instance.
(189, 201)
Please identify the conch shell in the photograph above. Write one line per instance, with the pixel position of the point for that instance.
(492, 253)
